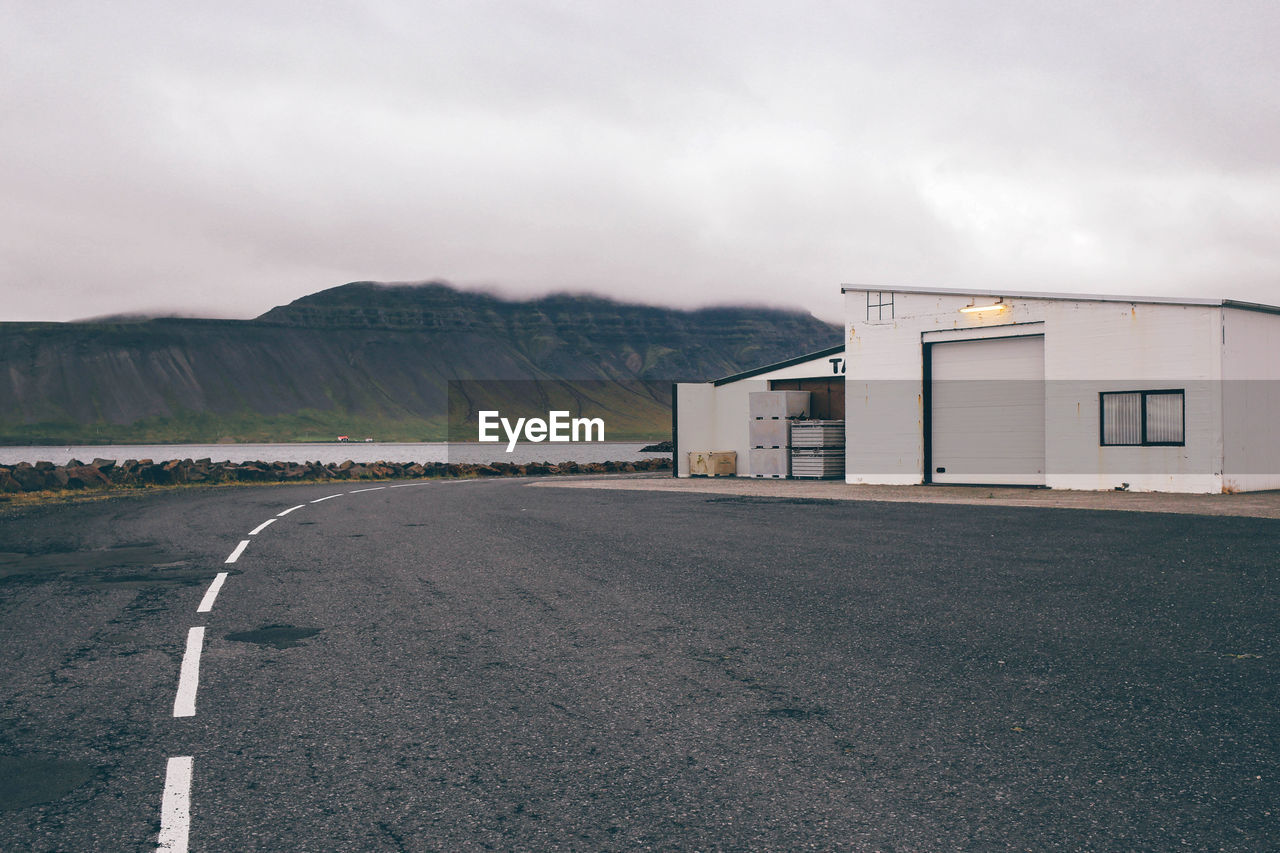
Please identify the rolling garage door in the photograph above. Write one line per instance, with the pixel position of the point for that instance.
(986, 407)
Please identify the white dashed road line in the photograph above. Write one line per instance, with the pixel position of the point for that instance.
(235, 555)
(206, 603)
(175, 806)
(184, 704)
(261, 527)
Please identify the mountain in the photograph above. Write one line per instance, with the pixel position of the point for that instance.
(371, 359)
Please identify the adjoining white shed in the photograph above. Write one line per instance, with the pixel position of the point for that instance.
(1061, 390)
(712, 417)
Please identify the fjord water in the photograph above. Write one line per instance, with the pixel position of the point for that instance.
(326, 452)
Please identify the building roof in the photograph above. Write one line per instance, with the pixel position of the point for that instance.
(1068, 297)
(791, 362)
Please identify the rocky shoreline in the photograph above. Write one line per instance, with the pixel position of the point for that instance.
(137, 473)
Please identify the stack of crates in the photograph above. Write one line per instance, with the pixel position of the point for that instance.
(772, 414)
(817, 450)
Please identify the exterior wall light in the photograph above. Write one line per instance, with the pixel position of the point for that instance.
(998, 305)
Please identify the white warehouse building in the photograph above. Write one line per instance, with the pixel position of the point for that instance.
(1053, 390)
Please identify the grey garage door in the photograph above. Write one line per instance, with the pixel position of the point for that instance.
(987, 411)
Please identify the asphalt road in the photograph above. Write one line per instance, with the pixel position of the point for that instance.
(489, 666)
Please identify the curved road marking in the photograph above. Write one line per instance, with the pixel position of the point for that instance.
(206, 603)
(175, 806)
(184, 704)
(261, 527)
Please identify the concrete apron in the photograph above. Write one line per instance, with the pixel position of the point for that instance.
(1248, 504)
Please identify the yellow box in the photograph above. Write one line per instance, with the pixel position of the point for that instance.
(713, 463)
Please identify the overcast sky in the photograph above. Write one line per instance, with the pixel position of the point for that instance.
(221, 162)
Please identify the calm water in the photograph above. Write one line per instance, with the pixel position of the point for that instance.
(334, 452)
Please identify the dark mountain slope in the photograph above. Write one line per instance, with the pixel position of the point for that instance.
(361, 359)
(573, 336)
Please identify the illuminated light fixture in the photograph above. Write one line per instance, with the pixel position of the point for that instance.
(998, 305)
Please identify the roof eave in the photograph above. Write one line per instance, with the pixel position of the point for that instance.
(791, 362)
(1071, 297)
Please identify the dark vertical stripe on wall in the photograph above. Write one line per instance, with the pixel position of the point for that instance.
(675, 431)
(926, 417)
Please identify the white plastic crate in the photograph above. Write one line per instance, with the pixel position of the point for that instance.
(769, 433)
(770, 463)
(778, 404)
(817, 434)
(817, 463)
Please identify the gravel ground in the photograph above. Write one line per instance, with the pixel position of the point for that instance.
(1248, 505)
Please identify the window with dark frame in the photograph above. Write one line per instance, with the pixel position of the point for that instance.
(879, 305)
(1143, 418)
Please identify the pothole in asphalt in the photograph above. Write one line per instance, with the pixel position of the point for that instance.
(767, 499)
(26, 781)
(797, 713)
(141, 564)
(279, 636)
